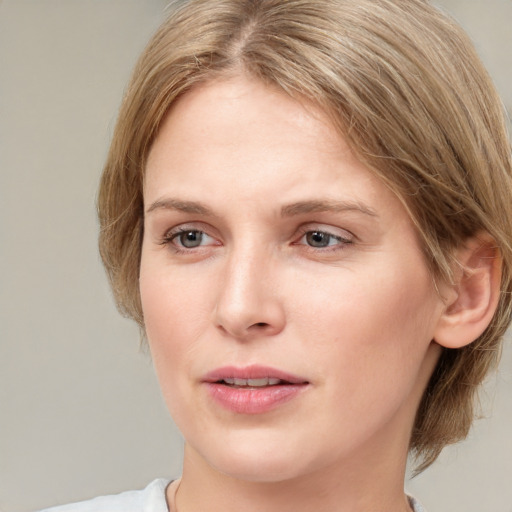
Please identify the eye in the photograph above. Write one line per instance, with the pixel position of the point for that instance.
(321, 239)
(189, 238)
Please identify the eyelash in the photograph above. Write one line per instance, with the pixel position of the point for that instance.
(342, 240)
(171, 236)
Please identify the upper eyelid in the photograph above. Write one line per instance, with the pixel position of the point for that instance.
(330, 230)
(341, 240)
(173, 233)
(190, 226)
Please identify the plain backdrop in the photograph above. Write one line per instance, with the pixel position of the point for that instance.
(80, 409)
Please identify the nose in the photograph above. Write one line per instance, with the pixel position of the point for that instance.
(249, 303)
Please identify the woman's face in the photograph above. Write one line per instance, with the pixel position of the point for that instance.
(287, 304)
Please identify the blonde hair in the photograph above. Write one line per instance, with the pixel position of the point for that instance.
(403, 84)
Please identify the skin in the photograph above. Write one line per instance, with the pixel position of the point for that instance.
(355, 318)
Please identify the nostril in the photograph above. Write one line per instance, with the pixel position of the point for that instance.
(261, 324)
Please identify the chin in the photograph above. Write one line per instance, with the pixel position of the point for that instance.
(263, 460)
(258, 471)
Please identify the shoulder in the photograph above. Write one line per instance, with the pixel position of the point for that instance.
(415, 505)
(150, 499)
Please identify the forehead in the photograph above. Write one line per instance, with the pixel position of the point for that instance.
(239, 118)
(243, 139)
(210, 109)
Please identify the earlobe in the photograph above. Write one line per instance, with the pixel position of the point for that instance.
(474, 295)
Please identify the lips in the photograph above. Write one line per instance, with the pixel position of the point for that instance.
(253, 389)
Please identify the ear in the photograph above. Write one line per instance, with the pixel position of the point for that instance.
(473, 298)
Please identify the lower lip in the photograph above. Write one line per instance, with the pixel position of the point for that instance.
(253, 400)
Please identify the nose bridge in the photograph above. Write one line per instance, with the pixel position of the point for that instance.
(247, 302)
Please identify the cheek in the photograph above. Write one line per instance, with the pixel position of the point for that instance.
(170, 326)
(370, 328)
(177, 308)
(370, 346)
(172, 301)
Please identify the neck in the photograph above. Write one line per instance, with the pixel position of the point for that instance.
(344, 488)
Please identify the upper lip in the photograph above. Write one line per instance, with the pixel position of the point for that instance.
(252, 372)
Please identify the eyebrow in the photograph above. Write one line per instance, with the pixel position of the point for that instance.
(318, 206)
(179, 205)
(293, 209)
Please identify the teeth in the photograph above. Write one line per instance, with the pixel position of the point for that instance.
(257, 382)
(253, 383)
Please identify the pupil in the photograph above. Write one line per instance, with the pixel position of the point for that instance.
(191, 238)
(317, 239)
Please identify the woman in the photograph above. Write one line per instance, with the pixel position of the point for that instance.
(306, 209)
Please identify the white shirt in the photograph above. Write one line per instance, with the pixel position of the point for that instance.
(150, 499)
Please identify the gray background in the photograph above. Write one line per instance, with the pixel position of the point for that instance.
(80, 409)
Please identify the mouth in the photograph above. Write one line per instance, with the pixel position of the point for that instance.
(252, 383)
(253, 389)
(252, 376)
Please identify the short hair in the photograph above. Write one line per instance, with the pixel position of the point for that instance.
(402, 83)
